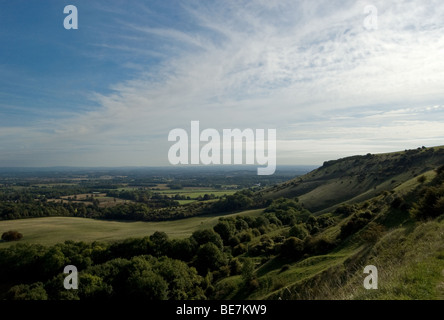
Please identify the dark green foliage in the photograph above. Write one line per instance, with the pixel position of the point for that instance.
(93, 287)
(372, 233)
(355, 223)
(233, 241)
(430, 204)
(245, 236)
(397, 202)
(239, 249)
(182, 249)
(225, 229)
(207, 236)
(285, 267)
(264, 247)
(35, 291)
(235, 266)
(288, 211)
(298, 231)
(248, 270)
(292, 248)
(141, 277)
(318, 245)
(242, 223)
(345, 209)
(132, 247)
(209, 257)
(235, 202)
(160, 243)
(11, 235)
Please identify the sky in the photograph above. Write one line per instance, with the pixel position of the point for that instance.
(334, 78)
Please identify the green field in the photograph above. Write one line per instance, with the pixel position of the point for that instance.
(51, 230)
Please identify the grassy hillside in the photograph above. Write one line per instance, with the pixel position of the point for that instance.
(52, 230)
(408, 253)
(357, 178)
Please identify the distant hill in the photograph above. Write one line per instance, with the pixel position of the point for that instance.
(357, 178)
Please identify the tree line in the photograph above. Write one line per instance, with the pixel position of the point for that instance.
(162, 209)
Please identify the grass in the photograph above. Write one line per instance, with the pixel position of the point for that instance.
(410, 263)
(51, 230)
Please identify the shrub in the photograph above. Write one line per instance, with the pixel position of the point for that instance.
(319, 245)
(372, 233)
(431, 204)
(298, 231)
(209, 257)
(248, 270)
(207, 236)
(292, 248)
(239, 249)
(235, 266)
(11, 235)
(233, 241)
(345, 210)
(35, 291)
(245, 236)
(356, 223)
(285, 267)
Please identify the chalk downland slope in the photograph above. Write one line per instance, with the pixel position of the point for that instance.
(357, 178)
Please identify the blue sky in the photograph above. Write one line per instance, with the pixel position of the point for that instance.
(108, 93)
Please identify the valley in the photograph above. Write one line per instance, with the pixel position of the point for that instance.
(308, 236)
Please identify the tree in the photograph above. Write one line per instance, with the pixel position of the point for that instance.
(205, 236)
(11, 235)
(183, 281)
(182, 249)
(430, 205)
(292, 248)
(209, 257)
(160, 243)
(147, 286)
(34, 291)
(298, 231)
(53, 260)
(225, 230)
(247, 271)
(93, 287)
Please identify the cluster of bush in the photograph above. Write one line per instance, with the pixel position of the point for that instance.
(145, 267)
(430, 203)
(11, 235)
(153, 267)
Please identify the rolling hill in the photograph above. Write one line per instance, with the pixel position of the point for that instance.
(357, 178)
(389, 213)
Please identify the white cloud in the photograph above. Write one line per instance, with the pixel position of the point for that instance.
(274, 65)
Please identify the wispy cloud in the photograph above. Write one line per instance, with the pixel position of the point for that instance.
(310, 70)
